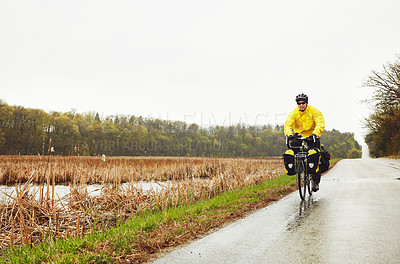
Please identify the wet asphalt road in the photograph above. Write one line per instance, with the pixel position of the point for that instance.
(354, 218)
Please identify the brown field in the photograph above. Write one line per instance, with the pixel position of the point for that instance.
(29, 218)
(93, 170)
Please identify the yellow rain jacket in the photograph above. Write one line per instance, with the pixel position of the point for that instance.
(306, 123)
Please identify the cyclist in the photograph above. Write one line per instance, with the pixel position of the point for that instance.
(307, 121)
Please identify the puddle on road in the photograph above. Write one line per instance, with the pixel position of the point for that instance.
(305, 208)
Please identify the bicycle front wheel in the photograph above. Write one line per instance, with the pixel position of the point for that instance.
(301, 181)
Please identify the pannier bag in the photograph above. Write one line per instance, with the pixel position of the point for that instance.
(325, 157)
(313, 160)
(288, 159)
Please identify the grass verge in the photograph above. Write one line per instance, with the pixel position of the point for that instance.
(141, 239)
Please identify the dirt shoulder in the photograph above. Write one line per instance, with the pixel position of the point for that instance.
(172, 234)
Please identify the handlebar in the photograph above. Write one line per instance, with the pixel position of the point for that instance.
(298, 139)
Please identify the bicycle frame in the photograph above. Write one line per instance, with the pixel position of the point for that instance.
(303, 177)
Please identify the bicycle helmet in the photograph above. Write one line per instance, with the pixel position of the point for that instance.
(302, 97)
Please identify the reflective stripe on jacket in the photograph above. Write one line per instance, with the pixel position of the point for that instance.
(306, 123)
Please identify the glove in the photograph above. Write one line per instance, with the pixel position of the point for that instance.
(313, 137)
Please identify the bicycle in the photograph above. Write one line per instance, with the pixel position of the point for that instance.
(304, 179)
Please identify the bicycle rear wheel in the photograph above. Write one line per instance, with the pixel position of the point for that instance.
(309, 184)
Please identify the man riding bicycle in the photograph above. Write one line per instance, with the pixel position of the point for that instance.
(306, 121)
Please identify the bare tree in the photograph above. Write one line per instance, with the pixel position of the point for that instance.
(386, 85)
(384, 123)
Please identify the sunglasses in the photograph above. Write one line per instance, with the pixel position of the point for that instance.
(301, 103)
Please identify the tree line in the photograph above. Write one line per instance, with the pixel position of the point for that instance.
(28, 131)
(383, 123)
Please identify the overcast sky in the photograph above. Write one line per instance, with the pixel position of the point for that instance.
(206, 62)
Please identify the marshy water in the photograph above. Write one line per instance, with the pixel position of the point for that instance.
(61, 191)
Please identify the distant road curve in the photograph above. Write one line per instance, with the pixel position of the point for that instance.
(354, 218)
